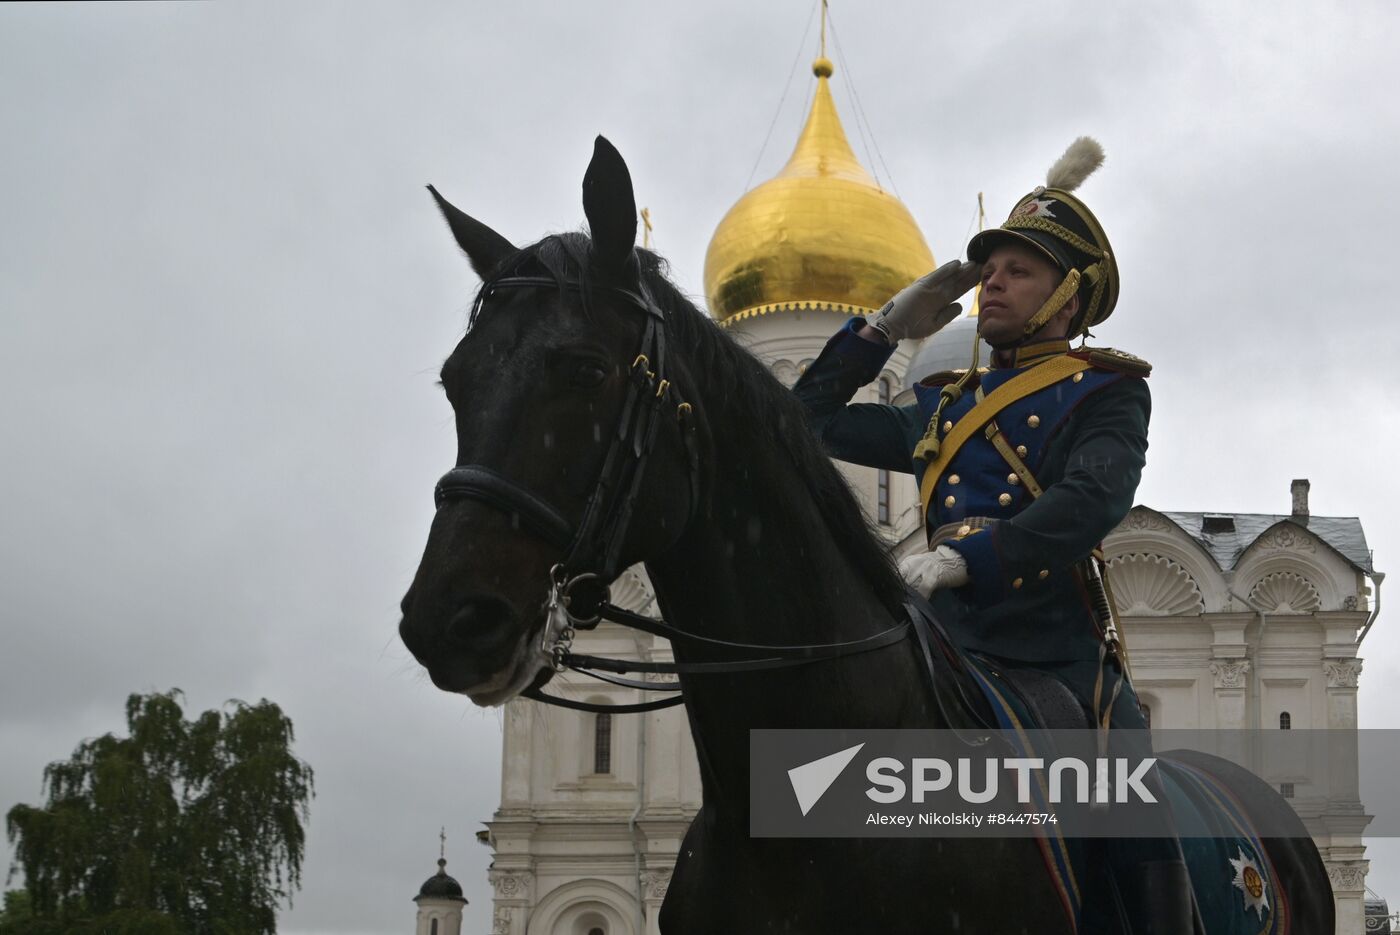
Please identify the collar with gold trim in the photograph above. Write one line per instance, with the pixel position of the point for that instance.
(1028, 354)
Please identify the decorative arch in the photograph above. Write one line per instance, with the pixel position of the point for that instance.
(579, 905)
(1144, 531)
(1284, 592)
(1150, 585)
(1288, 547)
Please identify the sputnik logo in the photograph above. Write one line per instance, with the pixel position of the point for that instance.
(811, 780)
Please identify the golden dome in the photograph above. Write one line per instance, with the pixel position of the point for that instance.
(821, 234)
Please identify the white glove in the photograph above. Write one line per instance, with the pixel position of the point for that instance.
(926, 572)
(920, 309)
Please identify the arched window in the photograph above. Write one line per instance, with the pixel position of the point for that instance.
(433, 930)
(882, 477)
(1285, 721)
(1285, 789)
(595, 930)
(602, 743)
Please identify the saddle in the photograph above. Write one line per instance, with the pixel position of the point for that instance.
(1046, 702)
(975, 692)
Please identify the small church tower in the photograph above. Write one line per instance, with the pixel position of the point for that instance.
(440, 901)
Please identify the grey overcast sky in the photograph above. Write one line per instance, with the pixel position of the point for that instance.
(225, 295)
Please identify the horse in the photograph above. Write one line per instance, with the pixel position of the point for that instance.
(603, 420)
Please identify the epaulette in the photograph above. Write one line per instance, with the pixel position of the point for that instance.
(1109, 358)
(944, 377)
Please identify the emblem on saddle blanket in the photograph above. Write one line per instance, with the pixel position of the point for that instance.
(1250, 882)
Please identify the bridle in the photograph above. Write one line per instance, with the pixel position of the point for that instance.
(592, 547)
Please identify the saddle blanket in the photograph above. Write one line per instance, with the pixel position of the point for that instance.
(1234, 882)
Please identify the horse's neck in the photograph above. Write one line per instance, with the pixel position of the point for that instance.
(765, 568)
(753, 576)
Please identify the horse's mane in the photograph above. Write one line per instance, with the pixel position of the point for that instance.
(768, 410)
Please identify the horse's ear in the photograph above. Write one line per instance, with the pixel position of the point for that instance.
(483, 246)
(609, 205)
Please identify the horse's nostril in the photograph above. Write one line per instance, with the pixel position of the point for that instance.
(481, 619)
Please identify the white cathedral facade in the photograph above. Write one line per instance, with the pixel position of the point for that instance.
(1233, 620)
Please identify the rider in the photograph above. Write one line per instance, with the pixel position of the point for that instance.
(1018, 491)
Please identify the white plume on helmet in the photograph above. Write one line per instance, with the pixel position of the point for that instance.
(1080, 160)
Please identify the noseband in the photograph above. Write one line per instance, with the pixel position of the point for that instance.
(592, 548)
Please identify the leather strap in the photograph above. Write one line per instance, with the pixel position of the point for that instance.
(535, 694)
(1017, 388)
(477, 482)
(1012, 459)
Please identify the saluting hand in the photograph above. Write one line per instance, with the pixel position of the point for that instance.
(926, 305)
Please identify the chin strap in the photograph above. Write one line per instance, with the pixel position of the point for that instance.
(1068, 287)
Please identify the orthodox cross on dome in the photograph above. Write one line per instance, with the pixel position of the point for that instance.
(442, 843)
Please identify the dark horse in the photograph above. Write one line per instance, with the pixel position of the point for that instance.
(748, 533)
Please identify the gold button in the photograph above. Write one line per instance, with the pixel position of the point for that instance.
(1033, 422)
(1004, 499)
(1017, 583)
(947, 426)
(1044, 573)
(954, 479)
(950, 501)
(1078, 377)
(1021, 450)
(964, 530)
(1013, 479)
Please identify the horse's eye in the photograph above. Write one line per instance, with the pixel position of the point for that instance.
(588, 375)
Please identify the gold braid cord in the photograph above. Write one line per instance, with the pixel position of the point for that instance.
(1068, 287)
(1036, 222)
(927, 448)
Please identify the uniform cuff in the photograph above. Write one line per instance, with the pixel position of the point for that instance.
(988, 579)
(865, 356)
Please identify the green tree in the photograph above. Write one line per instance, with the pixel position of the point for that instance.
(184, 826)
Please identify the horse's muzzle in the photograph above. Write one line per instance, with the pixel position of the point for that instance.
(476, 644)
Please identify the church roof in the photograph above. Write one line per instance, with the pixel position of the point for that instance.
(1227, 536)
(440, 886)
(821, 234)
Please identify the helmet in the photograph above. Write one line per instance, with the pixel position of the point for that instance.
(1062, 228)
